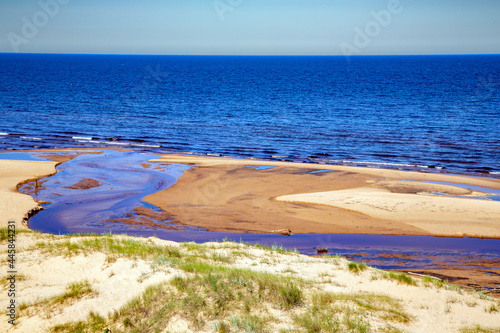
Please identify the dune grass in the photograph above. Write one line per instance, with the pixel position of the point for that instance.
(4, 233)
(73, 293)
(402, 278)
(480, 329)
(234, 300)
(356, 267)
(227, 296)
(211, 293)
(332, 312)
(114, 247)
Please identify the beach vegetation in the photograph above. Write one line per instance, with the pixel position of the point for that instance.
(73, 293)
(210, 294)
(331, 312)
(430, 280)
(192, 246)
(94, 323)
(480, 329)
(401, 278)
(273, 248)
(356, 267)
(482, 295)
(471, 304)
(335, 259)
(231, 297)
(492, 308)
(114, 247)
(4, 233)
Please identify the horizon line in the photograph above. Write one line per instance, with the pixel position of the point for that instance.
(257, 55)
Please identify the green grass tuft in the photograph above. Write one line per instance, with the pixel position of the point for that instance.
(402, 278)
(480, 329)
(356, 267)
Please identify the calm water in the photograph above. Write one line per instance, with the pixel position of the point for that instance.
(399, 111)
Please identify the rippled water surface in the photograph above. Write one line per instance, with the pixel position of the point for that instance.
(441, 112)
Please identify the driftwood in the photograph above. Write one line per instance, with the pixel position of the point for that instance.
(423, 275)
(322, 250)
(285, 232)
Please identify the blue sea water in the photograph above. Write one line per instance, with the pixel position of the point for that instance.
(394, 111)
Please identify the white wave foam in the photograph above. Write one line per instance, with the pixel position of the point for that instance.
(30, 138)
(146, 145)
(373, 163)
(116, 143)
(88, 138)
(1, 133)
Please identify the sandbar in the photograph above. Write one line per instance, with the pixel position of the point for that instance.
(230, 195)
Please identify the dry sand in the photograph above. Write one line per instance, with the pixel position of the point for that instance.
(222, 194)
(13, 205)
(45, 275)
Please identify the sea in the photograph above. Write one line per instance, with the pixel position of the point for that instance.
(429, 113)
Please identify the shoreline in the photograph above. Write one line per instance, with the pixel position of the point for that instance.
(314, 160)
(16, 173)
(234, 175)
(220, 181)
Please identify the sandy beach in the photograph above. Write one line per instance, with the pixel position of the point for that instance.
(66, 283)
(15, 206)
(244, 195)
(224, 194)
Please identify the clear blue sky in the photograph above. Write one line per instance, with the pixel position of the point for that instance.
(309, 27)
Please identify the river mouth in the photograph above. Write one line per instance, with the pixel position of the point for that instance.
(102, 193)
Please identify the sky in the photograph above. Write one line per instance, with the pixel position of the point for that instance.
(249, 27)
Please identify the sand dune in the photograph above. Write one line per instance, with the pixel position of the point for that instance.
(46, 269)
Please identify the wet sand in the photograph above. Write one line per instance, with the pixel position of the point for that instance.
(226, 195)
(15, 206)
(486, 279)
